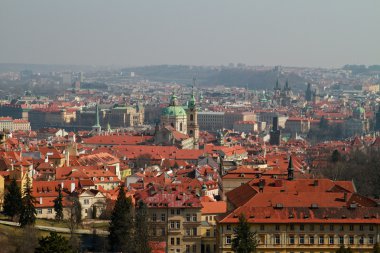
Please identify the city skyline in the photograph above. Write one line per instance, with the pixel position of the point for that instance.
(294, 33)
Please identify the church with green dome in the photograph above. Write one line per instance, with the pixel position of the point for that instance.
(179, 124)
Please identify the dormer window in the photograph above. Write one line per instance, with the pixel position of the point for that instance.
(102, 179)
(111, 178)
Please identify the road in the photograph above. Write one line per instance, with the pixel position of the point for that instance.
(58, 229)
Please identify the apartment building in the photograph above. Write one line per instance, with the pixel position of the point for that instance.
(303, 215)
(175, 218)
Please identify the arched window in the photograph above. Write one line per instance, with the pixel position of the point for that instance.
(191, 117)
(172, 124)
(191, 132)
(180, 126)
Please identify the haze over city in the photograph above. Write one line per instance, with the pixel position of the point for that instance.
(174, 126)
(131, 33)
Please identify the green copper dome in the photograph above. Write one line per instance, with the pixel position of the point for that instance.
(359, 110)
(173, 111)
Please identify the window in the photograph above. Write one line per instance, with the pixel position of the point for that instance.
(312, 227)
(191, 117)
(172, 211)
(178, 241)
(277, 239)
(172, 224)
(194, 217)
(302, 227)
(331, 239)
(188, 217)
(50, 210)
(39, 211)
(291, 239)
(177, 225)
(361, 240)
(187, 248)
(311, 239)
(301, 239)
(351, 240)
(194, 248)
(321, 239)
(262, 227)
(154, 217)
(331, 227)
(228, 239)
(291, 227)
(194, 231)
(163, 217)
(321, 227)
(370, 227)
(228, 227)
(172, 241)
(162, 231)
(178, 211)
(341, 240)
(85, 210)
(370, 240)
(86, 201)
(208, 233)
(341, 228)
(277, 227)
(351, 227)
(361, 227)
(180, 126)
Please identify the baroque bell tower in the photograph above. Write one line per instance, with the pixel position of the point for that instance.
(192, 119)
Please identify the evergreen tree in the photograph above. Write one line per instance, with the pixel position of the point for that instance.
(244, 241)
(53, 243)
(121, 225)
(142, 229)
(28, 212)
(12, 200)
(336, 156)
(341, 249)
(376, 248)
(58, 206)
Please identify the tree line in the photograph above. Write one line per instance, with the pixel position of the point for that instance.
(361, 166)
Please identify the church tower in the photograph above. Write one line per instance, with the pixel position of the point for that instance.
(97, 128)
(192, 119)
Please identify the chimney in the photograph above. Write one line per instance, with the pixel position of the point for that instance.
(67, 158)
(72, 187)
(61, 185)
(40, 200)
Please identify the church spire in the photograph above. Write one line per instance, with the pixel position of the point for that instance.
(97, 126)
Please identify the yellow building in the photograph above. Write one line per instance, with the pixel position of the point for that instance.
(303, 215)
(210, 210)
(175, 218)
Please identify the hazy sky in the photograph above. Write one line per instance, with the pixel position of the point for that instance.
(322, 33)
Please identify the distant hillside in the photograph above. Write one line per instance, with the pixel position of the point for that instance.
(211, 76)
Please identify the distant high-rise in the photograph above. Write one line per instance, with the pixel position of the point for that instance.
(275, 133)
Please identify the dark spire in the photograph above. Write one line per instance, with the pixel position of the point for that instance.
(286, 85)
(277, 87)
(290, 169)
